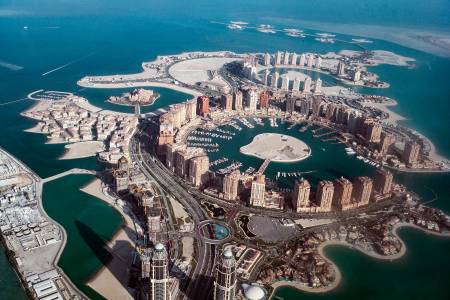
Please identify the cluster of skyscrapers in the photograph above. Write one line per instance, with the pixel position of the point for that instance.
(295, 85)
(341, 194)
(293, 59)
(367, 129)
(155, 271)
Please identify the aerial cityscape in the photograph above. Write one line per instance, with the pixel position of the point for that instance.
(261, 160)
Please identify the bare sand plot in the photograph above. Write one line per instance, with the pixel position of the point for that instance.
(199, 70)
(82, 149)
(111, 281)
(277, 148)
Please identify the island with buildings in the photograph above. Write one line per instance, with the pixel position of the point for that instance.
(140, 97)
(206, 225)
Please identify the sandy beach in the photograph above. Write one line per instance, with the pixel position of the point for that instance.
(395, 117)
(433, 152)
(111, 280)
(35, 129)
(82, 149)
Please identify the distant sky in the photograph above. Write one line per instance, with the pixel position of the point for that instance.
(433, 14)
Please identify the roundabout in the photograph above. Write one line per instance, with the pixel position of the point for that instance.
(213, 232)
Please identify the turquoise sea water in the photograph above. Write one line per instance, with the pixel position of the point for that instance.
(111, 37)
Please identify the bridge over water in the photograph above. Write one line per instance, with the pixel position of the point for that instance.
(264, 166)
(69, 172)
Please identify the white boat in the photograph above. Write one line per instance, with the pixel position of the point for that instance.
(325, 40)
(325, 35)
(266, 28)
(360, 41)
(296, 35)
(292, 30)
(235, 27)
(238, 22)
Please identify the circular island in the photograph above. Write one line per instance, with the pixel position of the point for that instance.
(277, 148)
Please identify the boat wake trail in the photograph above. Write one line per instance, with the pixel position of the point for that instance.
(10, 66)
(68, 64)
(13, 101)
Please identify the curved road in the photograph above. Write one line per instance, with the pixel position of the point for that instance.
(200, 284)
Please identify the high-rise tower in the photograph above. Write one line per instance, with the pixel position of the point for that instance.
(225, 277)
(159, 274)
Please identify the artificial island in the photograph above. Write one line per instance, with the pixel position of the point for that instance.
(222, 201)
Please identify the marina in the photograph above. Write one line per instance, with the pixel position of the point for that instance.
(353, 265)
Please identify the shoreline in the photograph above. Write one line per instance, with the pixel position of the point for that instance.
(110, 280)
(132, 105)
(81, 150)
(338, 279)
(431, 40)
(39, 183)
(394, 119)
(118, 85)
(261, 141)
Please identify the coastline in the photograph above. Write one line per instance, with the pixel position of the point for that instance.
(82, 150)
(118, 85)
(374, 255)
(305, 288)
(429, 41)
(132, 105)
(39, 183)
(259, 144)
(111, 280)
(394, 119)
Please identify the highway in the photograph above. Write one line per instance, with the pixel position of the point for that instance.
(201, 278)
(200, 285)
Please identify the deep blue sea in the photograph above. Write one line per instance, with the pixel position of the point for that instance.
(109, 37)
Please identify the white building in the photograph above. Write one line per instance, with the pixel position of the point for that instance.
(302, 60)
(285, 83)
(266, 77)
(318, 62)
(310, 61)
(251, 100)
(225, 280)
(296, 84)
(258, 191)
(286, 58)
(357, 76)
(294, 57)
(318, 86)
(307, 85)
(274, 80)
(278, 58)
(159, 274)
(267, 59)
(341, 68)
